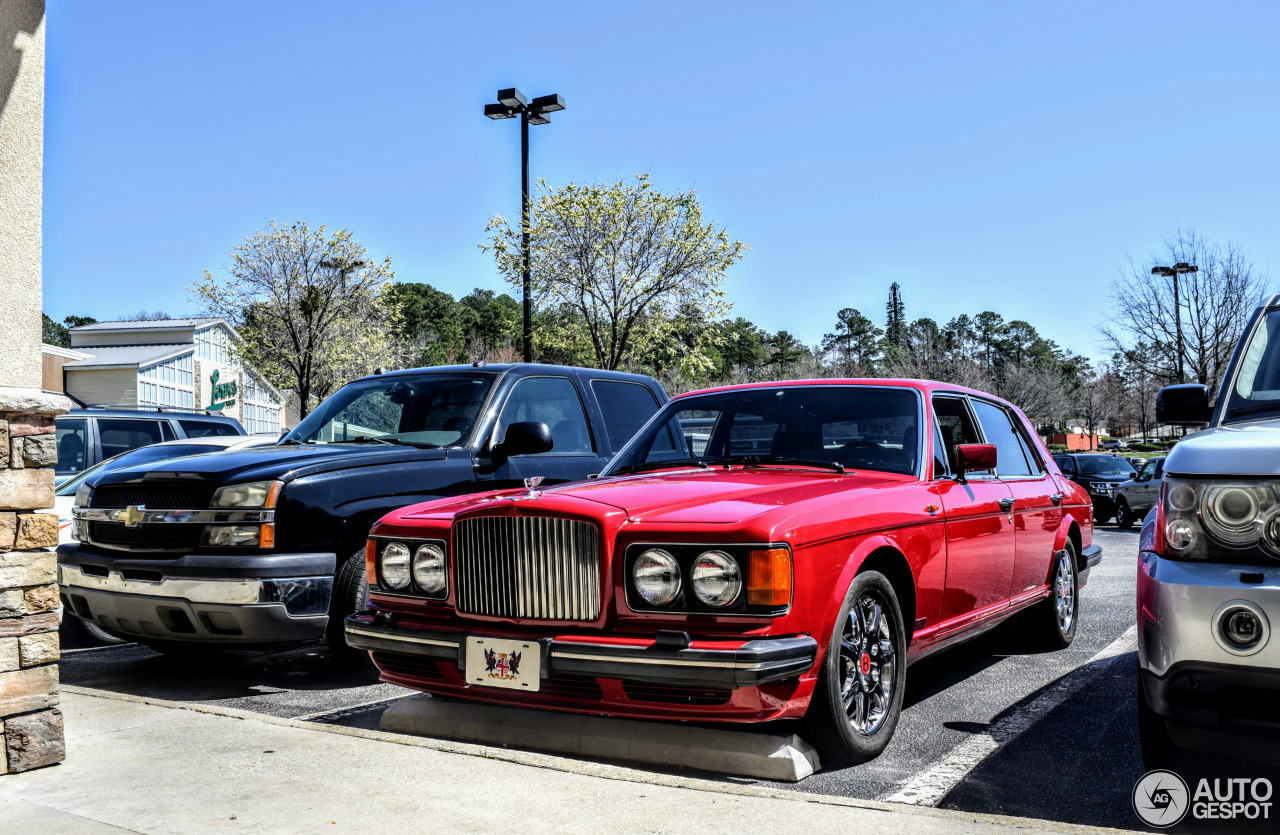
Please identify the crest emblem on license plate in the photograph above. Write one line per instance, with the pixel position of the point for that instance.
(502, 665)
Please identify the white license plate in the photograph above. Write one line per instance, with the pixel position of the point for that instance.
(500, 662)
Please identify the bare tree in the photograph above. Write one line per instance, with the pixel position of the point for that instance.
(1214, 304)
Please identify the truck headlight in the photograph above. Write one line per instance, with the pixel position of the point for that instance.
(1102, 488)
(252, 494)
(1204, 519)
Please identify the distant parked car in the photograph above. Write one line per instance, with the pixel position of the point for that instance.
(1113, 443)
(1100, 475)
(93, 434)
(1134, 498)
(1138, 462)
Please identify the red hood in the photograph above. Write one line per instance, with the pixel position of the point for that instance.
(715, 496)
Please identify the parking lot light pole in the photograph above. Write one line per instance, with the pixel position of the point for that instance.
(1180, 268)
(511, 103)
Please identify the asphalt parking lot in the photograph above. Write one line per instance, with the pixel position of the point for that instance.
(1066, 720)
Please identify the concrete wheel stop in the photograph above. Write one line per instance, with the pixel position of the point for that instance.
(768, 756)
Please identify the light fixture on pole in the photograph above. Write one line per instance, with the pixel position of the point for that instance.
(1180, 268)
(510, 104)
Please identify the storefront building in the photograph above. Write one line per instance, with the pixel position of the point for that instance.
(182, 363)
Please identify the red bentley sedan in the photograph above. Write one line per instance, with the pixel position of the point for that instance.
(759, 552)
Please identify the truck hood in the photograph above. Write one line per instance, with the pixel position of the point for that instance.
(716, 495)
(273, 462)
(1251, 448)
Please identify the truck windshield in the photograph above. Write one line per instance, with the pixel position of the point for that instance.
(432, 410)
(1105, 466)
(833, 427)
(1256, 392)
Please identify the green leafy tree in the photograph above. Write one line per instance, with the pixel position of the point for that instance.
(854, 343)
(627, 259)
(310, 306)
(60, 334)
(784, 352)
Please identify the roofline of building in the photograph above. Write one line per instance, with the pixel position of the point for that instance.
(59, 351)
(192, 322)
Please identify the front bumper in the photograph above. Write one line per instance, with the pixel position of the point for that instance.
(203, 598)
(1190, 677)
(741, 664)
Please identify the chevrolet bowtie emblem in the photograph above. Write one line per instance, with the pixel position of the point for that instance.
(531, 484)
(132, 515)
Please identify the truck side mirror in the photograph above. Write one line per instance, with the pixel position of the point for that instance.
(524, 438)
(1185, 405)
(971, 457)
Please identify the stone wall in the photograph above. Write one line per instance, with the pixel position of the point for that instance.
(30, 722)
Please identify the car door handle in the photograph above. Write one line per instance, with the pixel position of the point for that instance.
(1006, 505)
(1056, 498)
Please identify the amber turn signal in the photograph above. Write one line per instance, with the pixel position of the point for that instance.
(267, 536)
(370, 561)
(769, 577)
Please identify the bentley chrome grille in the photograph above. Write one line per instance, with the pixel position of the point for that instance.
(528, 567)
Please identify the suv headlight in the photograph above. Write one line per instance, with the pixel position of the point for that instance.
(252, 494)
(1219, 518)
(1102, 488)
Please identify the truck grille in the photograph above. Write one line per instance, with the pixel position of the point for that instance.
(153, 497)
(171, 537)
(528, 567)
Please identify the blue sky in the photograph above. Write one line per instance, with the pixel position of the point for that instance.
(1004, 156)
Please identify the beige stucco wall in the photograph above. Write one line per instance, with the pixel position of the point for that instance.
(21, 150)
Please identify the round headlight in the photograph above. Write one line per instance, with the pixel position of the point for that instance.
(1182, 497)
(394, 565)
(1230, 513)
(1180, 534)
(1270, 530)
(656, 577)
(428, 568)
(716, 578)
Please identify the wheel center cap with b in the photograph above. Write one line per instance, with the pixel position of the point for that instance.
(864, 664)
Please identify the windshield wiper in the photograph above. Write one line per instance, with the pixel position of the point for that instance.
(758, 460)
(658, 465)
(365, 439)
(1254, 408)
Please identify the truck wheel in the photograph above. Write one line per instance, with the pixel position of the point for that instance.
(1053, 619)
(858, 700)
(350, 595)
(1124, 515)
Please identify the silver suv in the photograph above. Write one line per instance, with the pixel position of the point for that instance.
(1139, 494)
(1209, 572)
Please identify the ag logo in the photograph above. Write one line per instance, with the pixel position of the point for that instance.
(1161, 798)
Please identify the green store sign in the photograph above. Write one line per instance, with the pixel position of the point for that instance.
(224, 394)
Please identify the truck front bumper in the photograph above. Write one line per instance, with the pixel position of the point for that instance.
(1214, 697)
(202, 598)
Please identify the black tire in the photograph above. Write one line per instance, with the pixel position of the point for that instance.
(1052, 622)
(350, 595)
(851, 683)
(1124, 515)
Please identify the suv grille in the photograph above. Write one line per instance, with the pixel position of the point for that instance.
(172, 537)
(154, 497)
(528, 567)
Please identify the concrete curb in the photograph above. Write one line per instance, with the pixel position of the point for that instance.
(612, 772)
(784, 757)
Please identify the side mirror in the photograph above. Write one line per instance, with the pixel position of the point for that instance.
(524, 438)
(971, 457)
(1185, 405)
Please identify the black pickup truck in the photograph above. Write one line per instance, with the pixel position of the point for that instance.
(266, 545)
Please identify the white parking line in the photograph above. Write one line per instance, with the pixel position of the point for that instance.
(928, 787)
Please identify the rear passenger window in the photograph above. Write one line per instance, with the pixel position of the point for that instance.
(73, 442)
(206, 429)
(625, 408)
(1011, 461)
(117, 436)
(956, 427)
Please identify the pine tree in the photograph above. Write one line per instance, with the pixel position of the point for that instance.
(895, 330)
